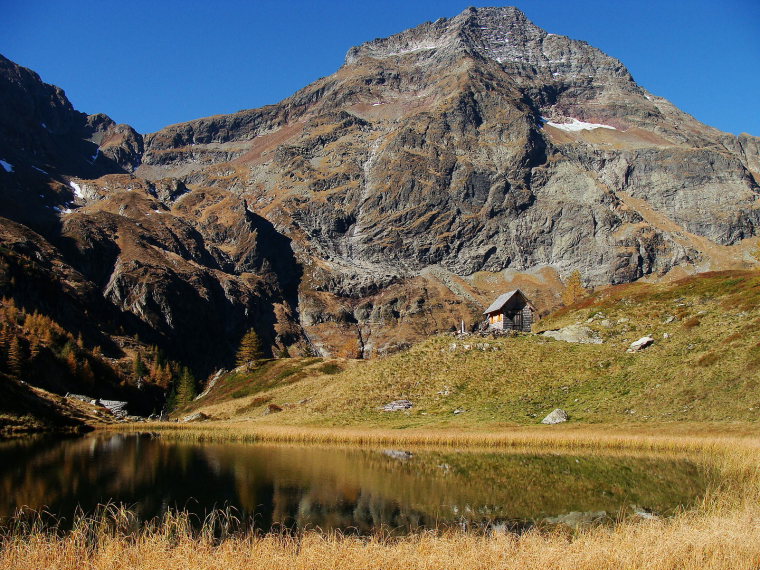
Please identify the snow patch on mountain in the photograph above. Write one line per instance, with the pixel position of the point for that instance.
(413, 47)
(77, 190)
(6, 165)
(575, 125)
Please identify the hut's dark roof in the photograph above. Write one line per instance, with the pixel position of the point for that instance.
(502, 300)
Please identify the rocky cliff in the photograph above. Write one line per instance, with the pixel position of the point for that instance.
(389, 200)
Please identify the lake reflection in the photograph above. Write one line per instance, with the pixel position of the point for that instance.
(299, 487)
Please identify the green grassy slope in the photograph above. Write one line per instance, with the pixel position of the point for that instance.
(703, 366)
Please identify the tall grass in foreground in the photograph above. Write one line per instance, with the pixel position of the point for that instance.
(724, 532)
(719, 540)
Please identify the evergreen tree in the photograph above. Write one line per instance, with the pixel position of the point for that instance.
(138, 366)
(171, 399)
(185, 388)
(574, 289)
(250, 348)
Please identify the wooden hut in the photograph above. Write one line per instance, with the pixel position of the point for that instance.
(511, 311)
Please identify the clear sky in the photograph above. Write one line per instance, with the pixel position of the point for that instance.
(154, 63)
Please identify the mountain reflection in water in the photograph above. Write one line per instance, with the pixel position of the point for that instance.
(352, 489)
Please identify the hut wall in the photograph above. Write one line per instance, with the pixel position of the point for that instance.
(527, 318)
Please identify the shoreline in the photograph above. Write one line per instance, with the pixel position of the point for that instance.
(721, 532)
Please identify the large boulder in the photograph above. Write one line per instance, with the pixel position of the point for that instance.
(196, 417)
(558, 416)
(116, 407)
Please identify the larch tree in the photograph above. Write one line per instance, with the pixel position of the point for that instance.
(250, 349)
(15, 357)
(574, 289)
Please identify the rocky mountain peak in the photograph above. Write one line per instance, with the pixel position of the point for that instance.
(501, 34)
(387, 201)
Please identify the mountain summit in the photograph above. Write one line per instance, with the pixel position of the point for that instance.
(504, 35)
(389, 200)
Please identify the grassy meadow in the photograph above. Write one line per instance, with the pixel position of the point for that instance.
(704, 366)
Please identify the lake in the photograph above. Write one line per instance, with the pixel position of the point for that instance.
(360, 490)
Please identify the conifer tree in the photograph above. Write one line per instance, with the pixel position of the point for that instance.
(87, 374)
(250, 348)
(185, 388)
(34, 347)
(69, 355)
(138, 366)
(15, 357)
(5, 341)
(72, 362)
(574, 289)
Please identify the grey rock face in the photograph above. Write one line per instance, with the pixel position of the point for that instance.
(116, 407)
(397, 405)
(558, 416)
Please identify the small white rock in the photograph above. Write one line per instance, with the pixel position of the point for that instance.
(640, 344)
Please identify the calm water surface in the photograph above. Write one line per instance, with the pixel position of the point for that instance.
(357, 490)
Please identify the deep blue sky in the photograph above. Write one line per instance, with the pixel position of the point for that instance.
(153, 63)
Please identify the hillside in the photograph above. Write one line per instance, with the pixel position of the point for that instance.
(703, 366)
(41, 362)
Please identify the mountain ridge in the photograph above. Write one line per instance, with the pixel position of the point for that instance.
(387, 201)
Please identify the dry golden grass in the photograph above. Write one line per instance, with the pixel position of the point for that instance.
(715, 542)
(723, 533)
(680, 437)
